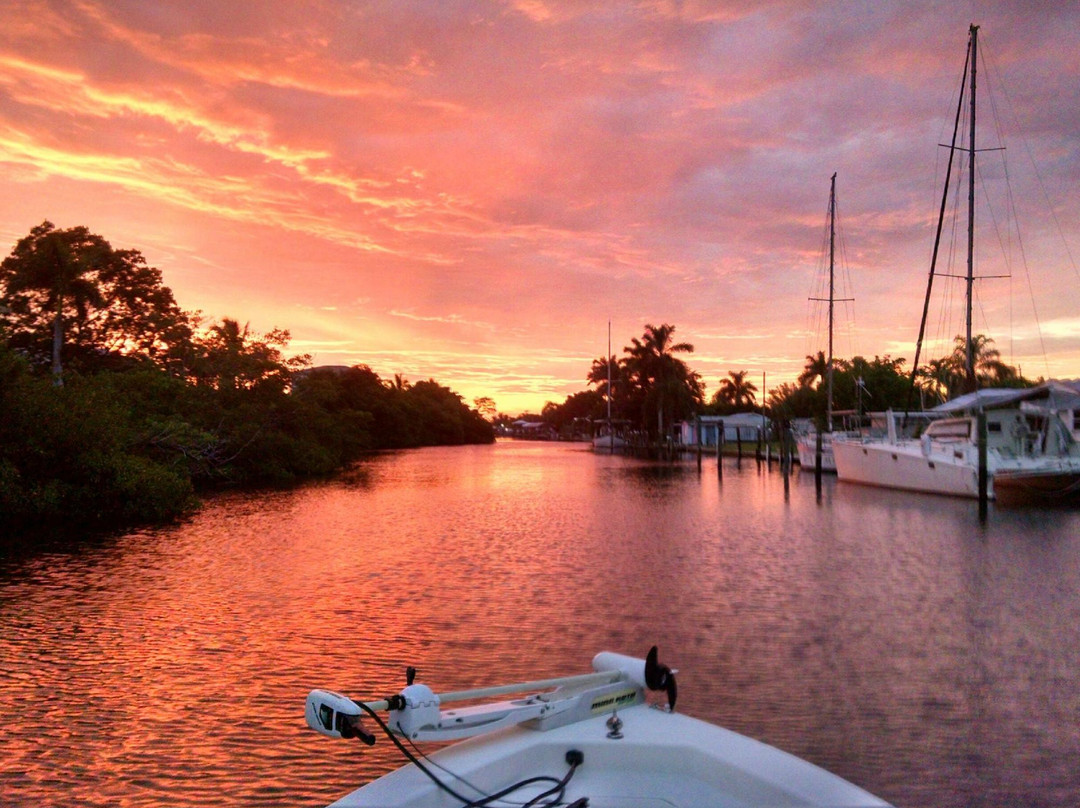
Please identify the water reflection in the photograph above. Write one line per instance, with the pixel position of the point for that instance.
(887, 636)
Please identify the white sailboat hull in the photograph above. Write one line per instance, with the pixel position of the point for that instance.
(608, 443)
(905, 465)
(950, 469)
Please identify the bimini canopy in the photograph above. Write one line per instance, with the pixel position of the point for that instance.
(1051, 396)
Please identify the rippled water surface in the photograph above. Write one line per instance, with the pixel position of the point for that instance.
(886, 636)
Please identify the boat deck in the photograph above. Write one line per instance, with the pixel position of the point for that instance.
(663, 759)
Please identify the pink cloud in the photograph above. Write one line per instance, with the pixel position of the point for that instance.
(441, 188)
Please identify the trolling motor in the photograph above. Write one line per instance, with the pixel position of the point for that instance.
(660, 677)
(416, 712)
(336, 716)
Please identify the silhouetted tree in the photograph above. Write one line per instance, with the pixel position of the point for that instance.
(667, 388)
(736, 392)
(68, 293)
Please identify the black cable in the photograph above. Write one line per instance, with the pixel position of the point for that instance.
(409, 755)
(418, 751)
(558, 789)
(466, 803)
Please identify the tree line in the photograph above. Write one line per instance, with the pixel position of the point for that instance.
(652, 387)
(117, 406)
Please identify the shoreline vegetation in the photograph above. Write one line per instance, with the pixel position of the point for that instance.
(118, 408)
(650, 389)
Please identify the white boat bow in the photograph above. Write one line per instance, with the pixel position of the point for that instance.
(593, 741)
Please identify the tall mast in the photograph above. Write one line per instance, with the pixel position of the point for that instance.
(832, 298)
(609, 375)
(953, 149)
(969, 357)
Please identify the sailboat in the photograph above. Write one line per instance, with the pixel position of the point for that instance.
(992, 441)
(606, 440)
(807, 441)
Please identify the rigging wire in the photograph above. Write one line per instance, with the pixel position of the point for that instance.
(1015, 120)
(817, 314)
(1003, 219)
(847, 296)
(937, 238)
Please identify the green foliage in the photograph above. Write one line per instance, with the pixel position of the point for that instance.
(650, 385)
(150, 410)
(580, 408)
(70, 455)
(122, 447)
(884, 383)
(790, 401)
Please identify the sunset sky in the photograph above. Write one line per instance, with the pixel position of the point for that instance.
(470, 191)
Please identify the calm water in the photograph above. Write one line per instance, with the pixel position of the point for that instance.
(886, 636)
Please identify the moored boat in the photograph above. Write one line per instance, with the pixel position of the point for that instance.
(1027, 445)
(1038, 487)
(587, 740)
(607, 437)
(608, 441)
(807, 444)
(1028, 448)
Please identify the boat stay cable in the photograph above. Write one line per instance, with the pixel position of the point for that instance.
(937, 237)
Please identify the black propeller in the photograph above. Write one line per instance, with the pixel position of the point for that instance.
(660, 677)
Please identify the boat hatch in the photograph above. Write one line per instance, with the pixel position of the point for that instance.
(952, 429)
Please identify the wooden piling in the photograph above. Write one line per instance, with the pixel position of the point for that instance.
(817, 465)
(720, 449)
(984, 475)
(697, 432)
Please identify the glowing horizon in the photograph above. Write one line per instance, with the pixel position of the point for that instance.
(470, 191)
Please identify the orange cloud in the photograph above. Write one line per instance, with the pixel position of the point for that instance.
(441, 189)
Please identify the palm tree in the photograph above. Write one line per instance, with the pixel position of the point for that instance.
(226, 344)
(816, 368)
(665, 383)
(55, 263)
(989, 369)
(599, 373)
(941, 378)
(236, 359)
(736, 392)
(621, 392)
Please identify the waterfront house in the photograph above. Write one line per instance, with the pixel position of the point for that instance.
(744, 426)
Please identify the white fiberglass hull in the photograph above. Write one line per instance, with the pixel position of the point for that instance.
(663, 759)
(941, 468)
(608, 443)
(907, 466)
(807, 446)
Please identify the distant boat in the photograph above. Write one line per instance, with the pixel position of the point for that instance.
(607, 438)
(1030, 451)
(608, 442)
(806, 443)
